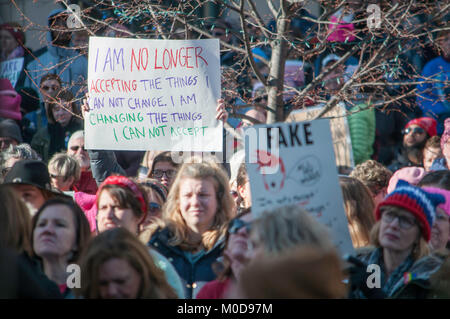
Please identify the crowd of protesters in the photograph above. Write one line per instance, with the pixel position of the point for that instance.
(141, 225)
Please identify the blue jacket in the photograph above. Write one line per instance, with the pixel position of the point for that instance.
(70, 65)
(193, 274)
(432, 98)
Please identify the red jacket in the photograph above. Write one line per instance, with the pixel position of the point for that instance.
(214, 289)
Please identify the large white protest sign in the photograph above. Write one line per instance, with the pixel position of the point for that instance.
(297, 167)
(153, 95)
(11, 70)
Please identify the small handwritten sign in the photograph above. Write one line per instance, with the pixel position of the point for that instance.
(153, 95)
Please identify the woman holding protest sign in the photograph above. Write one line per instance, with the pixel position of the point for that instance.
(60, 233)
(401, 259)
(194, 223)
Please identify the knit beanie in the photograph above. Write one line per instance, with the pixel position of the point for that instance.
(15, 31)
(9, 101)
(412, 175)
(415, 200)
(443, 192)
(427, 123)
(446, 134)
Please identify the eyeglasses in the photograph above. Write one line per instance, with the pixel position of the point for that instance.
(158, 173)
(76, 147)
(47, 88)
(154, 207)
(218, 34)
(404, 222)
(55, 176)
(416, 130)
(237, 224)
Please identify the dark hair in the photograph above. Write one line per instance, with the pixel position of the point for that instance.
(51, 76)
(125, 197)
(83, 232)
(241, 178)
(440, 179)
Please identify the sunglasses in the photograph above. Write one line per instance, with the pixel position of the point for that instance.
(416, 130)
(47, 88)
(75, 148)
(158, 173)
(237, 224)
(154, 207)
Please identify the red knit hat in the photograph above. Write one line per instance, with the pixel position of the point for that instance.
(415, 200)
(9, 101)
(427, 123)
(15, 31)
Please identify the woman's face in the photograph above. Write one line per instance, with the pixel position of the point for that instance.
(237, 245)
(399, 230)
(61, 112)
(48, 89)
(118, 280)
(164, 172)
(55, 232)
(7, 42)
(58, 181)
(111, 215)
(440, 230)
(198, 203)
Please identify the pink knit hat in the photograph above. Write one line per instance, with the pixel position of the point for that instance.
(412, 175)
(443, 192)
(9, 101)
(446, 135)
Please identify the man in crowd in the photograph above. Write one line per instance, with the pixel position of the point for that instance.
(415, 135)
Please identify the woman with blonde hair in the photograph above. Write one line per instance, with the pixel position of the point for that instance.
(400, 237)
(194, 222)
(359, 206)
(117, 265)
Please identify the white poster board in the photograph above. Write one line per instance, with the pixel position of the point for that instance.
(11, 70)
(305, 174)
(153, 95)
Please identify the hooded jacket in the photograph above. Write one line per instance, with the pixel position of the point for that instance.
(70, 65)
(193, 273)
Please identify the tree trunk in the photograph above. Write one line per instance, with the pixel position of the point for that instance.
(276, 73)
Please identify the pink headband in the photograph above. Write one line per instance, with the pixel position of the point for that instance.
(122, 181)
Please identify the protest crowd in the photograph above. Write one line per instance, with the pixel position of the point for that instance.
(90, 223)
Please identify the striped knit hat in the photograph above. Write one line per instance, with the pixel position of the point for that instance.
(416, 201)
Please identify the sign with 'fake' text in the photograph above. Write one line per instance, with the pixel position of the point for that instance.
(153, 95)
(11, 69)
(293, 164)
